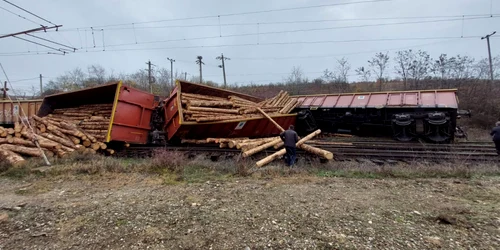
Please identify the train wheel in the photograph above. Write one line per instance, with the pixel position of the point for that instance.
(439, 133)
(403, 133)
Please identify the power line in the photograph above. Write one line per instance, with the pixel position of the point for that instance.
(33, 14)
(43, 45)
(265, 44)
(46, 40)
(27, 19)
(296, 30)
(245, 13)
(298, 21)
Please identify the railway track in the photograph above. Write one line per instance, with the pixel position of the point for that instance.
(382, 151)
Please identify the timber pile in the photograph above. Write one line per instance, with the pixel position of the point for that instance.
(82, 129)
(205, 108)
(250, 147)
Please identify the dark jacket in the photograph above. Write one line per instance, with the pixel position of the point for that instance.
(289, 137)
(495, 132)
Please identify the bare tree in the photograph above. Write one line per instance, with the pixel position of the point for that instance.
(295, 78)
(441, 67)
(462, 67)
(378, 64)
(342, 70)
(403, 59)
(328, 75)
(96, 75)
(419, 67)
(363, 74)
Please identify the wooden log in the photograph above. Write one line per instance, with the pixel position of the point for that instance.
(201, 97)
(223, 145)
(98, 118)
(103, 145)
(271, 119)
(86, 143)
(62, 141)
(95, 146)
(4, 141)
(110, 151)
(74, 132)
(219, 118)
(74, 139)
(96, 131)
(17, 127)
(94, 127)
(254, 142)
(10, 131)
(56, 131)
(274, 156)
(260, 148)
(43, 142)
(215, 110)
(289, 106)
(246, 147)
(282, 98)
(89, 136)
(318, 151)
(42, 128)
(193, 141)
(11, 157)
(22, 150)
(203, 103)
(275, 98)
(17, 134)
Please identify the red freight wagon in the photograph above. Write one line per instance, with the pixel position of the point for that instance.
(130, 114)
(177, 128)
(408, 115)
(11, 112)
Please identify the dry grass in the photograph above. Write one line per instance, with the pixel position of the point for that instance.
(175, 168)
(412, 170)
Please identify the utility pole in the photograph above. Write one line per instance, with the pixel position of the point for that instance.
(222, 58)
(200, 62)
(149, 77)
(489, 52)
(171, 71)
(41, 85)
(4, 90)
(185, 76)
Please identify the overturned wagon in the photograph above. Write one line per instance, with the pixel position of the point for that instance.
(110, 112)
(195, 111)
(408, 115)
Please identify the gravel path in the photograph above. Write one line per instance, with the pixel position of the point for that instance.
(132, 211)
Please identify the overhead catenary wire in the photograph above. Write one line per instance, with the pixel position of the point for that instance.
(245, 13)
(259, 33)
(47, 40)
(263, 44)
(295, 22)
(31, 13)
(25, 18)
(43, 45)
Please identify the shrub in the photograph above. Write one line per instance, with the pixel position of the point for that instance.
(173, 161)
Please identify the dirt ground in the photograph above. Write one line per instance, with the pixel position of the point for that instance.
(138, 211)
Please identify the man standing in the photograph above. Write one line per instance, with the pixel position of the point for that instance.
(495, 135)
(290, 138)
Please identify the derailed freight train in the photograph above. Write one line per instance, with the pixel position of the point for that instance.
(407, 115)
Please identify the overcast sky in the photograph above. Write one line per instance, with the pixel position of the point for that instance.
(253, 37)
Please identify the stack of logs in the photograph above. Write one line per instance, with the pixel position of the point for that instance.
(81, 129)
(250, 147)
(205, 108)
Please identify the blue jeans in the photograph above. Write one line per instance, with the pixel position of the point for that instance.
(290, 153)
